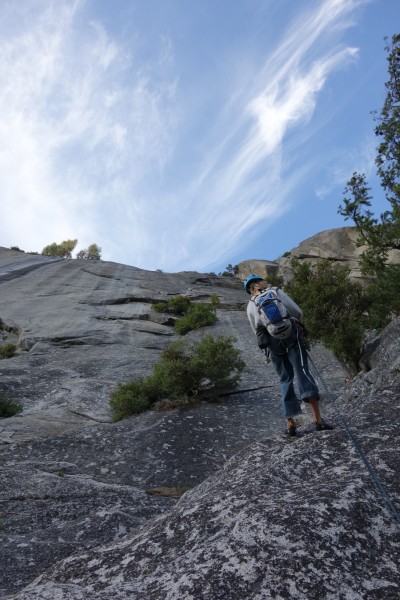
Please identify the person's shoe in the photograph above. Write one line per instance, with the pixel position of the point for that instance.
(291, 430)
(323, 426)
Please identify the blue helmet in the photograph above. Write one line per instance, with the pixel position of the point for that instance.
(249, 279)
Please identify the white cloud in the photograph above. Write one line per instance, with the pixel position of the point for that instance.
(80, 123)
(243, 188)
(89, 130)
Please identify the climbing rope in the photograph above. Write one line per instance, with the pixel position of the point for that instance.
(373, 475)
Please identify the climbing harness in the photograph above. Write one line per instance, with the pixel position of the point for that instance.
(373, 475)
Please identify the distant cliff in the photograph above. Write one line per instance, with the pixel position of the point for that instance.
(337, 245)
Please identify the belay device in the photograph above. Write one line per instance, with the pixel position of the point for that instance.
(274, 313)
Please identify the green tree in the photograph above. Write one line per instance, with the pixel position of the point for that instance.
(333, 306)
(380, 234)
(50, 250)
(230, 270)
(275, 280)
(383, 297)
(63, 250)
(93, 252)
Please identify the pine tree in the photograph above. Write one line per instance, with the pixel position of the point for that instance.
(380, 234)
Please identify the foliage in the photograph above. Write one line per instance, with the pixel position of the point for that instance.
(16, 249)
(380, 234)
(63, 250)
(215, 301)
(131, 398)
(333, 306)
(192, 316)
(9, 407)
(93, 252)
(383, 297)
(186, 371)
(275, 280)
(7, 350)
(230, 271)
(198, 315)
(178, 305)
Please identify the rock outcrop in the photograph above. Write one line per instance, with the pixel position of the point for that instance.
(339, 245)
(92, 509)
(70, 478)
(296, 519)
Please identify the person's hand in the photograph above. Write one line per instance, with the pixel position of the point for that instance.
(266, 356)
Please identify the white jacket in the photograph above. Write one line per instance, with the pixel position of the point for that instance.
(255, 318)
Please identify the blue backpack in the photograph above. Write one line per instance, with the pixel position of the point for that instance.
(274, 314)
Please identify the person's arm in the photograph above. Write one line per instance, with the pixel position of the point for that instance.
(252, 315)
(257, 326)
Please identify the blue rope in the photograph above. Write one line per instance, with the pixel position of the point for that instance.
(374, 477)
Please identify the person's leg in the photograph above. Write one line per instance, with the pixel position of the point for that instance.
(313, 403)
(308, 386)
(290, 403)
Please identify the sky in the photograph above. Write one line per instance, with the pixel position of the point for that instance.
(186, 134)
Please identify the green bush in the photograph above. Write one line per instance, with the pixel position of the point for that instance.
(160, 306)
(215, 301)
(187, 371)
(275, 280)
(198, 315)
(132, 398)
(334, 307)
(178, 305)
(9, 407)
(7, 350)
(383, 294)
(192, 316)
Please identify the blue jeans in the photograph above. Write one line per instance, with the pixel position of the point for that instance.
(289, 358)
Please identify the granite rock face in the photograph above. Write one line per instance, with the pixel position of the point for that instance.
(337, 245)
(70, 478)
(282, 519)
(81, 516)
(80, 327)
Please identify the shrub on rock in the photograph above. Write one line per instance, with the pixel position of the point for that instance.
(187, 371)
(9, 407)
(178, 305)
(7, 350)
(198, 315)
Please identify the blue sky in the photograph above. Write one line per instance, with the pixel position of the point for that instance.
(186, 134)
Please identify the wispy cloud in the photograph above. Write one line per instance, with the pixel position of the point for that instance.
(90, 136)
(243, 188)
(81, 123)
(361, 160)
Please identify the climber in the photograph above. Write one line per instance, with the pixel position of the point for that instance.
(276, 321)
